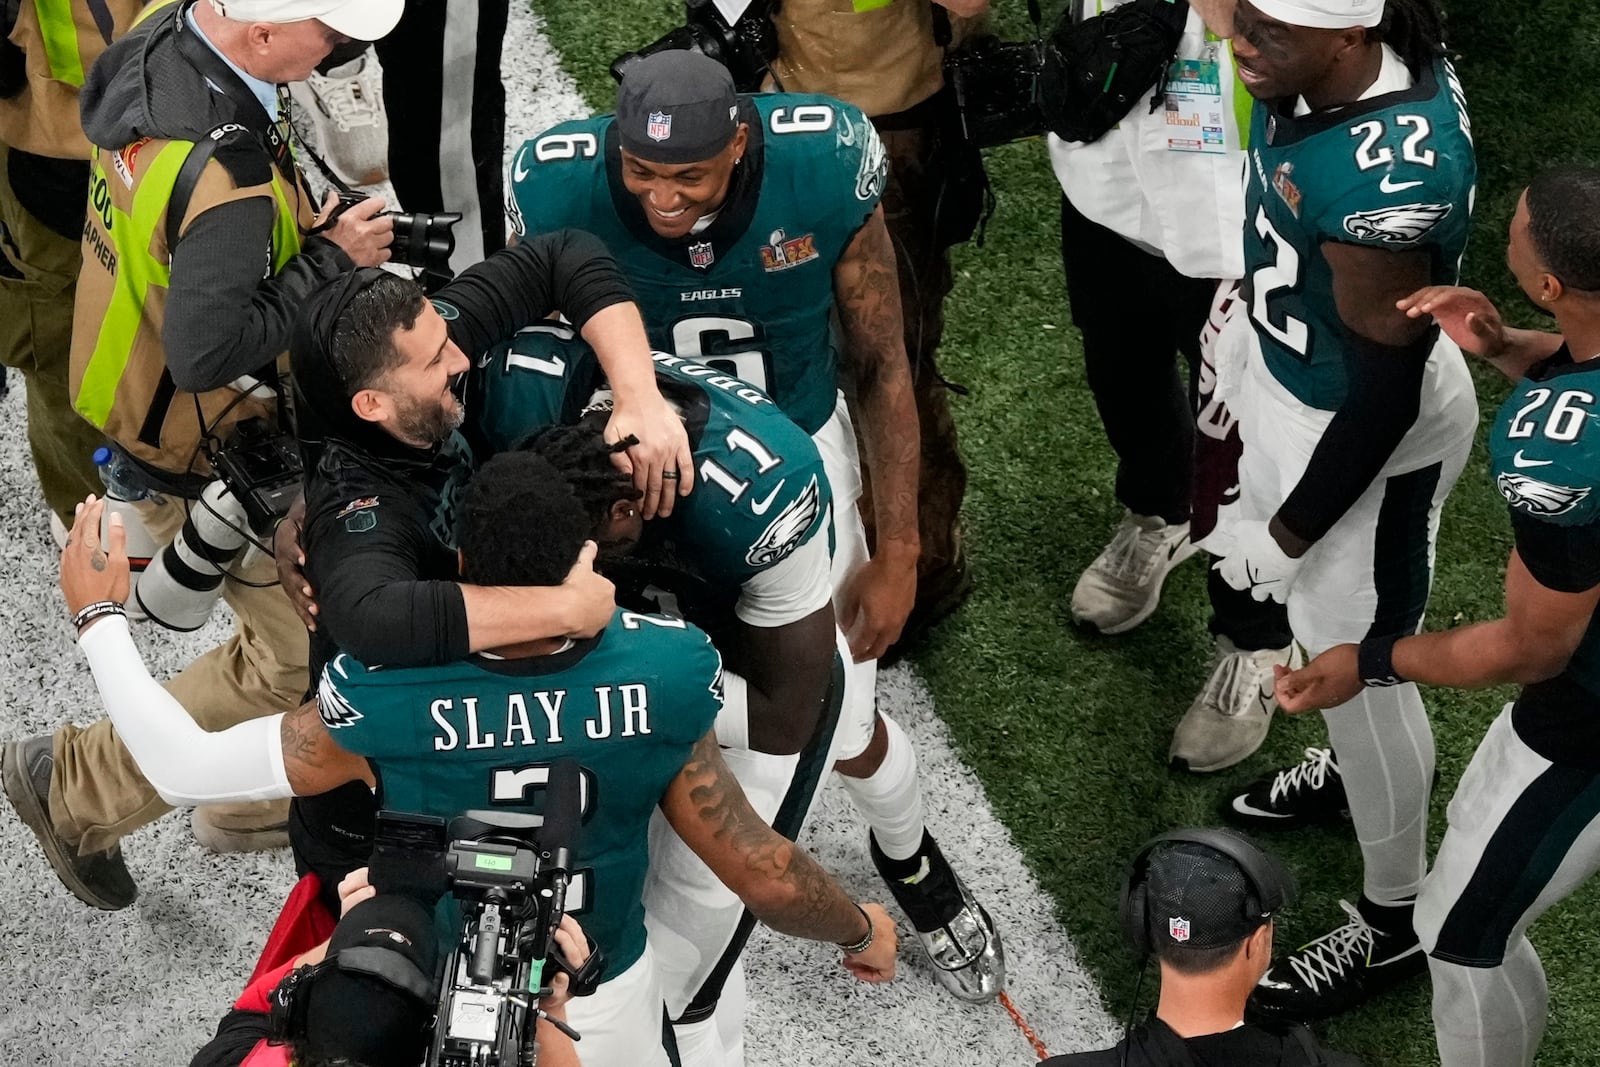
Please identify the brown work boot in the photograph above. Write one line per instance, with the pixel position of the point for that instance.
(251, 826)
(99, 879)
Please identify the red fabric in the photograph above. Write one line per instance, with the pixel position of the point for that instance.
(256, 995)
(303, 924)
(265, 1055)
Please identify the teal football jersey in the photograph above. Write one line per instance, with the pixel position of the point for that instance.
(481, 733)
(760, 491)
(1396, 171)
(1544, 456)
(752, 293)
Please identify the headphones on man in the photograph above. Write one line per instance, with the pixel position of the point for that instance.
(1269, 882)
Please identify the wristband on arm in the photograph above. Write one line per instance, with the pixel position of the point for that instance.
(1375, 662)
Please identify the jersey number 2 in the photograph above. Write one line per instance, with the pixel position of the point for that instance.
(1282, 275)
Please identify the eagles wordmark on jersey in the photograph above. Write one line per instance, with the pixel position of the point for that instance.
(751, 293)
(1394, 171)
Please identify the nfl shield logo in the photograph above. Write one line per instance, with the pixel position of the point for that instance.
(1178, 929)
(660, 126)
(700, 255)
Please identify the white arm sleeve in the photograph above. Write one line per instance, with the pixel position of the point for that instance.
(185, 764)
(790, 589)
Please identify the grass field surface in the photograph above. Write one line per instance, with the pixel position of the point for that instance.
(1069, 731)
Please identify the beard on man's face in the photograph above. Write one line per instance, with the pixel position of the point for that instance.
(432, 423)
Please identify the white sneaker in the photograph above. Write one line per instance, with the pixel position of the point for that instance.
(1228, 720)
(1122, 586)
(346, 109)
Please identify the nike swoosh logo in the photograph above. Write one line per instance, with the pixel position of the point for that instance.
(922, 872)
(1518, 461)
(519, 172)
(1244, 807)
(1394, 187)
(760, 507)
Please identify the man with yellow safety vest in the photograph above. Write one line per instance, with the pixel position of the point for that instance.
(46, 46)
(201, 243)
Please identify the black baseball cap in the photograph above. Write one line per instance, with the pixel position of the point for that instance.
(374, 1006)
(676, 107)
(1197, 897)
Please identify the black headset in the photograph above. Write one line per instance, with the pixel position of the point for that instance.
(1270, 884)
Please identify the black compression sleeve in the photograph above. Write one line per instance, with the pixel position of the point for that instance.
(1383, 397)
(567, 271)
(1563, 558)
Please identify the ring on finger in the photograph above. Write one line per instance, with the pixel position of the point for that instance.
(670, 476)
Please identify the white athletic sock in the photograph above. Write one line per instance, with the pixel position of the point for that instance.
(1490, 1016)
(1384, 748)
(891, 799)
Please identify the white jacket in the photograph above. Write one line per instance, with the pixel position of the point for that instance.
(1185, 206)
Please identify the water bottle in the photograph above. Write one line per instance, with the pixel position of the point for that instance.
(123, 487)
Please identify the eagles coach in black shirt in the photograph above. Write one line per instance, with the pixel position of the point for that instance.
(1202, 903)
(378, 374)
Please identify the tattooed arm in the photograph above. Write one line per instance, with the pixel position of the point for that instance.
(312, 760)
(875, 601)
(777, 879)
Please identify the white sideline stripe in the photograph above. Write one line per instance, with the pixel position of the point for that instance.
(146, 986)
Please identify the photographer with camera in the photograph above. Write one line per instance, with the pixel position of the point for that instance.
(362, 1009)
(44, 187)
(634, 706)
(197, 254)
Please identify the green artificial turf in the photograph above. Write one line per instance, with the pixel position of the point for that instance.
(1069, 730)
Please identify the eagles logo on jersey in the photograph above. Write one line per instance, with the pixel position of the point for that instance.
(1396, 225)
(1537, 497)
(336, 711)
(788, 529)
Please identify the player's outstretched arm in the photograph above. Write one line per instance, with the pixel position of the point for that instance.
(1472, 321)
(1541, 629)
(875, 601)
(778, 881)
(184, 763)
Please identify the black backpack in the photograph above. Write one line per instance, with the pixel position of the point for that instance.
(1097, 69)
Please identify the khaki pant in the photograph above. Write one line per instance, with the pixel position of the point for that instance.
(97, 795)
(36, 338)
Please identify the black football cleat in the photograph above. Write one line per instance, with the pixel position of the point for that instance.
(956, 933)
(1312, 791)
(1344, 968)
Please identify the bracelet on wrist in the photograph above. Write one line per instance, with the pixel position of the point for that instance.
(858, 947)
(98, 610)
(1375, 662)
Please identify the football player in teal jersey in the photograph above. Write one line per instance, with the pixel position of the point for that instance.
(1355, 420)
(1524, 827)
(745, 557)
(746, 225)
(633, 706)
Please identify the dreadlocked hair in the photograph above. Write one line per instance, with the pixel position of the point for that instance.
(521, 523)
(583, 458)
(1414, 29)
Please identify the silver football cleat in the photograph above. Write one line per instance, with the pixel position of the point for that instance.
(957, 935)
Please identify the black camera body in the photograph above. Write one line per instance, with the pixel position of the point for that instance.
(746, 48)
(260, 465)
(423, 241)
(996, 87)
(508, 874)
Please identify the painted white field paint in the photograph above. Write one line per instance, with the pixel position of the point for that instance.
(146, 986)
